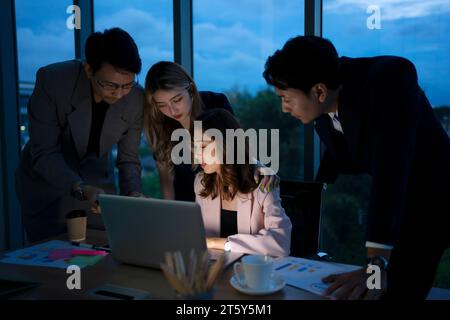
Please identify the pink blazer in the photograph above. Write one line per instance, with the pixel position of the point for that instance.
(263, 226)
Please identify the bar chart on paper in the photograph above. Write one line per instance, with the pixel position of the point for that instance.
(53, 254)
(307, 274)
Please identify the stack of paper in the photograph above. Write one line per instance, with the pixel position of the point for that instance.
(307, 274)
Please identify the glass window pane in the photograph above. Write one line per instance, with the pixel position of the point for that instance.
(413, 29)
(150, 23)
(343, 222)
(42, 38)
(232, 40)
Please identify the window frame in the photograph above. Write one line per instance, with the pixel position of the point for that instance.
(11, 230)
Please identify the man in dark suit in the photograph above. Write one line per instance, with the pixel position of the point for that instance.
(374, 118)
(77, 112)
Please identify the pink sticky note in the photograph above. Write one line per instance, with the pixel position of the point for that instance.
(80, 252)
(57, 254)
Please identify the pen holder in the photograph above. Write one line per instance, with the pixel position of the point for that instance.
(207, 295)
(194, 280)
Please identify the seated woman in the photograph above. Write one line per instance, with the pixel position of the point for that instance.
(173, 102)
(237, 215)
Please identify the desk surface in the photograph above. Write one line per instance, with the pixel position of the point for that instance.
(109, 271)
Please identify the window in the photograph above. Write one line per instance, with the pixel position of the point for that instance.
(411, 29)
(416, 30)
(150, 23)
(232, 40)
(42, 38)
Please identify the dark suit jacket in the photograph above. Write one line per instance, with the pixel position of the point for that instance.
(54, 159)
(391, 133)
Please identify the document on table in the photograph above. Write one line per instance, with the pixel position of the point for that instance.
(307, 274)
(48, 254)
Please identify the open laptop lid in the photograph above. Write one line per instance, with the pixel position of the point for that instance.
(141, 230)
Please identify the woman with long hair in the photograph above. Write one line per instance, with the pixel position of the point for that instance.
(173, 102)
(237, 215)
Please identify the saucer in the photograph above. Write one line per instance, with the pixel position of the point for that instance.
(276, 285)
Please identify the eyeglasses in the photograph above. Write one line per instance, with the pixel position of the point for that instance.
(111, 86)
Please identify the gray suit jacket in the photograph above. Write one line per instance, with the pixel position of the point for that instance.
(55, 158)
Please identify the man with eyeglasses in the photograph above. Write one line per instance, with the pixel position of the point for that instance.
(78, 111)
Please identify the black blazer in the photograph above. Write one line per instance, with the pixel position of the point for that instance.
(391, 133)
(184, 175)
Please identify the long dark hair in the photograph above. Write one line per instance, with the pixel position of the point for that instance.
(158, 128)
(234, 177)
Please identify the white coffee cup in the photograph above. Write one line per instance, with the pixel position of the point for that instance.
(254, 271)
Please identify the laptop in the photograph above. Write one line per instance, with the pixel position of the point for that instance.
(140, 230)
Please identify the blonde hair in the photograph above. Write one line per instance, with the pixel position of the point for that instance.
(158, 128)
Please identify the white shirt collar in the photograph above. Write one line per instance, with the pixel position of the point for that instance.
(331, 114)
(335, 121)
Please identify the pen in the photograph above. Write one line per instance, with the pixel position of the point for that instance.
(91, 246)
(102, 248)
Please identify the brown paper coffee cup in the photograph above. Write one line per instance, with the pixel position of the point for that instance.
(76, 226)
